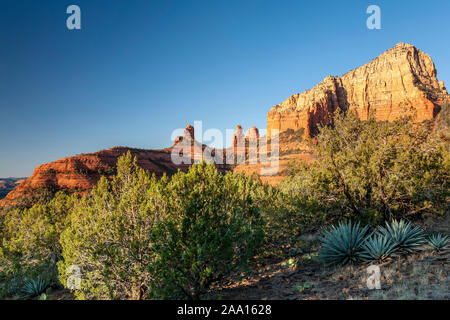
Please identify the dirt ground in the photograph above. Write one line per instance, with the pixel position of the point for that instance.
(421, 276)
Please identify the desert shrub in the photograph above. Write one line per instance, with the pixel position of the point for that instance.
(405, 237)
(343, 244)
(138, 237)
(374, 171)
(30, 245)
(108, 237)
(298, 208)
(443, 118)
(214, 227)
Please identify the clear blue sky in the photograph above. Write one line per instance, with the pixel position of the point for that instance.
(139, 69)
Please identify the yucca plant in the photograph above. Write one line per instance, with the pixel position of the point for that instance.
(377, 248)
(437, 241)
(406, 237)
(34, 287)
(342, 244)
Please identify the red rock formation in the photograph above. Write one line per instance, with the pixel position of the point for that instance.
(189, 133)
(81, 173)
(399, 82)
(252, 134)
(239, 145)
(238, 136)
(252, 142)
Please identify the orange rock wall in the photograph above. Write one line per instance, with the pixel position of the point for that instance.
(401, 81)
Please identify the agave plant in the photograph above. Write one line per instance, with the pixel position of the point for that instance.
(378, 248)
(438, 241)
(342, 244)
(406, 237)
(34, 287)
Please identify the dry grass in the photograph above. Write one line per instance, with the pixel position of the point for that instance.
(422, 276)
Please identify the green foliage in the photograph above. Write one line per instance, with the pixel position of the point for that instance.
(289, 264)
(306, 286)
(438, 241)
(136, 236)
(373, 171)
(34, 287)
(378, 248)
(297, 208)
(343, 244)
(10, 287)
(406, 237)
(214, 227)
(108, 236)
(30, 245)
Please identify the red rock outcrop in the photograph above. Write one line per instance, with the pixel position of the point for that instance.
(238, 137)
(401, 81)
(238, 145)
(81, 173)
(189, 133)
(252, 134)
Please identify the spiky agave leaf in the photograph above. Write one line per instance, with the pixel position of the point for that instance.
(342, 244)
(406, 237)
(377, 248)
(438, 241)
(34, 287)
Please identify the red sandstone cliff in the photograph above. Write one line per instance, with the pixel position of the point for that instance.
(400, 81)
(81, 173)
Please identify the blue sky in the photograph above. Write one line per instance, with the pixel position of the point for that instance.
(139, 69)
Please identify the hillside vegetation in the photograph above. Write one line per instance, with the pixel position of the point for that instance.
(201, 233)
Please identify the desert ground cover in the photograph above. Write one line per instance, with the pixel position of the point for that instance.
(377, 194)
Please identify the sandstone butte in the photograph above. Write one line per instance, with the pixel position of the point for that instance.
(401, 81)
(82, 172)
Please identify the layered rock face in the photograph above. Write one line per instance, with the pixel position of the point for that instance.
(401, 81)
